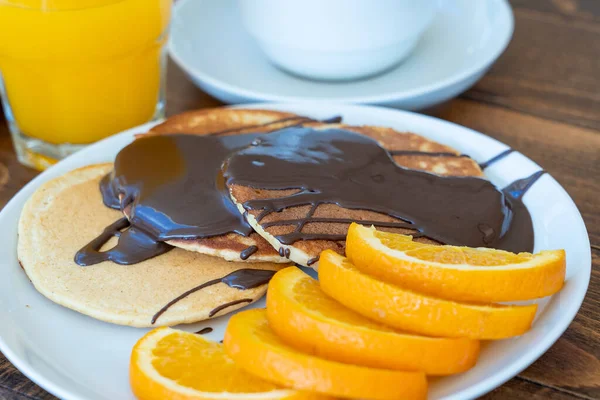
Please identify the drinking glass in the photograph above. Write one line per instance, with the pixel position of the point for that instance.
(76, 71)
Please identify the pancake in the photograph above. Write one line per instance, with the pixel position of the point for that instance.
(412, 151)
(65, 214)
(226, 121)
(417, 152)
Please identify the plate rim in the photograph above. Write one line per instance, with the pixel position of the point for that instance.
(489, 383)
(232, 89)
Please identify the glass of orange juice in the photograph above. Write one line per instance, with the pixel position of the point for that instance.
(76, 71)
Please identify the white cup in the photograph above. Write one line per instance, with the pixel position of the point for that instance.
(337, 39)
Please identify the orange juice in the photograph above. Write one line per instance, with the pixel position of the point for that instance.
(76, 71)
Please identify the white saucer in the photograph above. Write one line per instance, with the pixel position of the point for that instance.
(209, 42)
(76, 357)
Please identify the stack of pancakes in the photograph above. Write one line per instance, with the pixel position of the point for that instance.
(65, 214)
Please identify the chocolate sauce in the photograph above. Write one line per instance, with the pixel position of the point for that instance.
(246, 253)
(260, 216)
(518, 188)
(514, 195)
(224, 306)
(495, 159)
(173, 186)
(110, 195)
(132, 247)
(304, 221)
(426, 153)
(344, 168)
(298, 119)
(332, 120)
(204, 331)
(284, 252)
(241, 279)
(247, 278)
(183, 197)
(312, 261)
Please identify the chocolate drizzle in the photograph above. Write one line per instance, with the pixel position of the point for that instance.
(248, 278)
(226, 305)
(241, 279)
(354, 172)
(312, 261)
(303, 221)
(514, 193)
(284, 252)
(426, 153)
(246, 253)
(518, 188)
(109, 191)
(495, 159)
(298, 119)
(132, 247)
(204, 331)
(332, 120)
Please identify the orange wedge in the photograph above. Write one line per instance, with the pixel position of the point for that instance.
(306, 318)
(167, 364)
(414, 312)
(255, 347)
(455, 273)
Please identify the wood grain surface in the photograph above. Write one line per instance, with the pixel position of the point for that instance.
(541, 98)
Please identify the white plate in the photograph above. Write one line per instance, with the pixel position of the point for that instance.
(210, 44)
(77, 357)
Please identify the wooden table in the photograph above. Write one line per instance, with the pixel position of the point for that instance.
(541, 98)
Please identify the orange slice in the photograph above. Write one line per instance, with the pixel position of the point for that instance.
(414, 312)
(255, 347)
(305, 317)
(455, 273)
(167, 364)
